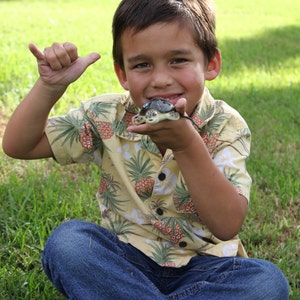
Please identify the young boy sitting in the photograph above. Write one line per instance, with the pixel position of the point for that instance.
(173, 194)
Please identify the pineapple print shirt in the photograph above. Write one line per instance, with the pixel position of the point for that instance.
(142, 195)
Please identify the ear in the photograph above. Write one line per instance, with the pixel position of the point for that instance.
(121, 76)
(214, 66)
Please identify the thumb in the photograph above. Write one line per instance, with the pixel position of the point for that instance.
(180, 106)
(89, 59)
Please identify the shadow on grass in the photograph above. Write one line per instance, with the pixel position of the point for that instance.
(261, 106)
(273, 117)
(271, 48)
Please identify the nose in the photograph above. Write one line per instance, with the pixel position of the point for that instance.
(161, 78)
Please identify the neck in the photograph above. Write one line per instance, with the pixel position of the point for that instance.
(162, 150)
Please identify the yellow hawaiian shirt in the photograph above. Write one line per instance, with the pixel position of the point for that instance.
(142, 195)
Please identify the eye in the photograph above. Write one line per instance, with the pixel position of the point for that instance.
(179, 61)
(141, 66)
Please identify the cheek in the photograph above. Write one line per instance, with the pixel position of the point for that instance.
(137, 83)
(193, 82)
(136, 88)
(192, 76)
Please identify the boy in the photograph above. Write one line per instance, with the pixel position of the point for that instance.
(173, 195)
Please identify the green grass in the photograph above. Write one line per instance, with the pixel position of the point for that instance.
(261, 78)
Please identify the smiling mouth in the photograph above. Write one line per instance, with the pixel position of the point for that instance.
(171, 98)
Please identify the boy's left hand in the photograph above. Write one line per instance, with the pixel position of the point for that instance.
(174, 135)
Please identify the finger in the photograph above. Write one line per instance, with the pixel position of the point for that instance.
(142, 128)
(72, 51)
(52, 59)
(39, 55)
(149, 129)
(61, 54)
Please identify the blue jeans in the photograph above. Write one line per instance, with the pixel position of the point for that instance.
(87, 262)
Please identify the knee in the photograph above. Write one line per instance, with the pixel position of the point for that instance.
(66, 244)
(66, 235)
(74, 242)
(269, 281)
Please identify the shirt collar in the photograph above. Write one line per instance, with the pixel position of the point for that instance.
(204, 111)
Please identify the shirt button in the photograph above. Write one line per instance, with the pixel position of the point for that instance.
(160, 211)
(182, 244)
(162, 176)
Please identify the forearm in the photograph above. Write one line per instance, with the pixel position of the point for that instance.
(218, 204)
(24, 136)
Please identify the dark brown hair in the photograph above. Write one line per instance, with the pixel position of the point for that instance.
(199, 15)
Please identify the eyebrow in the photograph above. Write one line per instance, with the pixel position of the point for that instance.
(141, 57)
(136, 58)
(181, 52)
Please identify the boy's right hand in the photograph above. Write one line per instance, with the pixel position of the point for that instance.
(60, 64)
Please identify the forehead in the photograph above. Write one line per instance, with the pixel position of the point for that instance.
(158, 34)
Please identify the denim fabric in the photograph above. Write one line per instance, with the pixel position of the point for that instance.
(87, 262)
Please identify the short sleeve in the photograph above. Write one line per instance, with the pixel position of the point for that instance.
(232, 151)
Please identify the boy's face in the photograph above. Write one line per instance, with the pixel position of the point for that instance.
(164, 61)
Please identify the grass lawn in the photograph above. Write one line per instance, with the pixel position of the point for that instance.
(261, 78)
